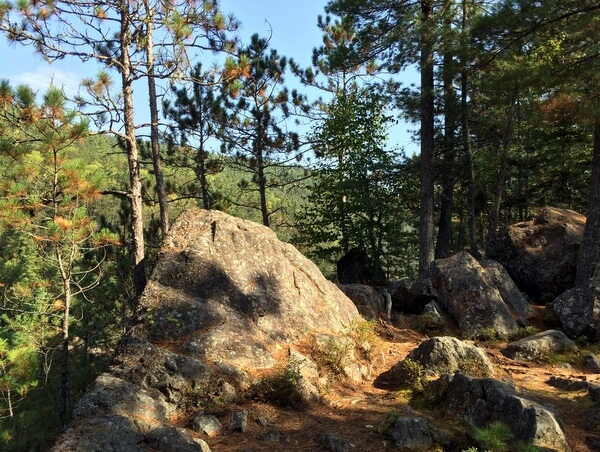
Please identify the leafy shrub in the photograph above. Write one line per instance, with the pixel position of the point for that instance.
(412, 374)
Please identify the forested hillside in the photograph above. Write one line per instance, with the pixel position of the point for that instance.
(507, 113)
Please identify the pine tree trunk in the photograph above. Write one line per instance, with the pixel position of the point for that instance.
(135, 183)
(262, 188)
(154, 135)
(588, 261)
(470, 167)
(444, 237)
(426, 225)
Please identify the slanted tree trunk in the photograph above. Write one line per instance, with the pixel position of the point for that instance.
(588, 261)
(426, 225)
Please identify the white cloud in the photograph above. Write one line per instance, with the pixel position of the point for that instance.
(43, 76)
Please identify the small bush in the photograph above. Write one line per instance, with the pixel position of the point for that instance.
(282, 388)
(412, 374)
(494, 437)
(364, 334)
(331, 353)
(497, 437)
(209, 396)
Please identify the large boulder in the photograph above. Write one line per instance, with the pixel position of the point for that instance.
(445, 354)
(411, 297)
(578, 311)
(370, 303)
(510, 293)
(470, 297)
(484, 401)
(539, 346)
(224, 298)
(540, 254)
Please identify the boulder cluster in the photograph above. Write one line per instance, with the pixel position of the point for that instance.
(227, 303)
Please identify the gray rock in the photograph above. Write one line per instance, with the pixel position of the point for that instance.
(368, 300)
(445, 354)
(239, 421)
(470, 297)
(540, 254)
(568, 384)
(593, 421)
(109, 433)
(207, 424)
(594, 391)
(413, 433)
(217, 275)
(510, 293)
(334, 443)
(591, 362)
(539, 346)
(401, 295)
(111, 395)
(423, 292)
(578, 311)
(486, 400)
(270, 436)
(305, 366)
(166, 439)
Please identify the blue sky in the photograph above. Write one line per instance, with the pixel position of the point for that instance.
(291, 24)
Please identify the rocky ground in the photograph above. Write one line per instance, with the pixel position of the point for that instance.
(360, 413)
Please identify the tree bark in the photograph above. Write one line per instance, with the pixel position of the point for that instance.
(426, 225)
(444, 237)
(588, 261)
(135, 196)
(502, 170)
(154, 133)
(466, 138)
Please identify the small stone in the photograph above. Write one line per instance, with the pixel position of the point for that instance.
(334, 443)
(270, 436)
(239, 421)
(262, 420)
(207, 424)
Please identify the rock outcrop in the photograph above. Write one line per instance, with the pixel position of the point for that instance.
(225, 297)
(510, 293)
(470, 297)
(540, 254)
(578, 311)
(484, 401)
(539, 346)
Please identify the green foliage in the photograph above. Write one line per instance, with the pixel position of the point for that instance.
(282, 388)
(354, 202)
(523, 332)
(412, 374)
(332, 354)
(497, 437)
(209, 396)
(364, 335)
